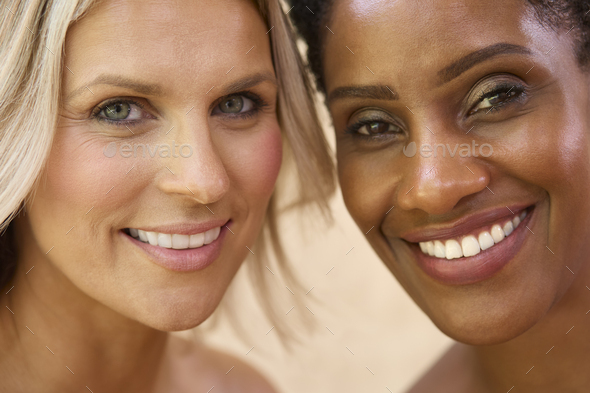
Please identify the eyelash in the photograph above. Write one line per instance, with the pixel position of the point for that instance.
(259, 103)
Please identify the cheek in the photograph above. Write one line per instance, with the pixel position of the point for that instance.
(79, 176)
(368, 184)
(256, 162)
(81, 187)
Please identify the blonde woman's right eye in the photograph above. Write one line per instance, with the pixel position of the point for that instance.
(120, 111)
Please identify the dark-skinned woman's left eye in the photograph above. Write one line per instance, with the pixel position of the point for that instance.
(496, 99)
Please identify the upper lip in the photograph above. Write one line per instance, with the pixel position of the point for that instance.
(184, 228)
(463, 225)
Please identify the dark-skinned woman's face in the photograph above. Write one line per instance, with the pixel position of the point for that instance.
(462, 138)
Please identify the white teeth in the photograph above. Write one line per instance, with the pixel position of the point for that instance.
(470, 246)
(180, 242)
(211, 235)
(508, 228)
(142, 236)
(453, 249)
(498, 233)
(485, 240)
(423, 247)
(152, 238)
(430, 248)
(196, 240)
(515, 222)
(165, 240)
(439, 249)
(176, 241)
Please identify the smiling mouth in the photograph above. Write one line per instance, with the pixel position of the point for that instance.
(470, 245)
(476, 248)
(174, 240)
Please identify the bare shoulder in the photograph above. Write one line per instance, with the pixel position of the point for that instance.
(194, 364)
(452, 373)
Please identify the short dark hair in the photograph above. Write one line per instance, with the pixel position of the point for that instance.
(311, 16)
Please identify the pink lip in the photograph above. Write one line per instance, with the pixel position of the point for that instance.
(186, 228)
(187, 260)
(480, 267)
(464, 225)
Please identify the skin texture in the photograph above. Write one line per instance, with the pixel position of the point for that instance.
(540, 159)
(96, 300)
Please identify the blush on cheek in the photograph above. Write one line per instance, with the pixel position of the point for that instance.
(80, 177)
(261, 162)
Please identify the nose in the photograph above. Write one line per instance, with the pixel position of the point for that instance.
(437, 184)
(198, 170)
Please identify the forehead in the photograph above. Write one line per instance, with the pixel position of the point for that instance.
(412, 37)
(190, 39)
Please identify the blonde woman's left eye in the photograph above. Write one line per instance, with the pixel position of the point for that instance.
(234, 105)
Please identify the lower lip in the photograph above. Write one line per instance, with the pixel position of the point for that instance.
(187, 260)
(480, 267)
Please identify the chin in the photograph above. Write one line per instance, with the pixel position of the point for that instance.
(176, 319)
(174, 313)
(488, 328)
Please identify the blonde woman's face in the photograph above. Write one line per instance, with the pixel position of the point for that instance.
(167, 126)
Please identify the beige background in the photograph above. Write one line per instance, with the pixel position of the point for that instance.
(369, 335)
(362, 305)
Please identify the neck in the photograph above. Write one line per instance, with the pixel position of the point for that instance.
(552, 356)
(53, 334)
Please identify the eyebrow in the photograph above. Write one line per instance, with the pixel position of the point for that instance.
(249, 82)
(457, 68)
(119, 81)
(154, 89)
(375, 92)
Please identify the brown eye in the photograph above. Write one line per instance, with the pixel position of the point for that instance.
(375, 128)
(495, 100)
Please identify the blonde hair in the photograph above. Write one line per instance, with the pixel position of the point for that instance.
(33, 34)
